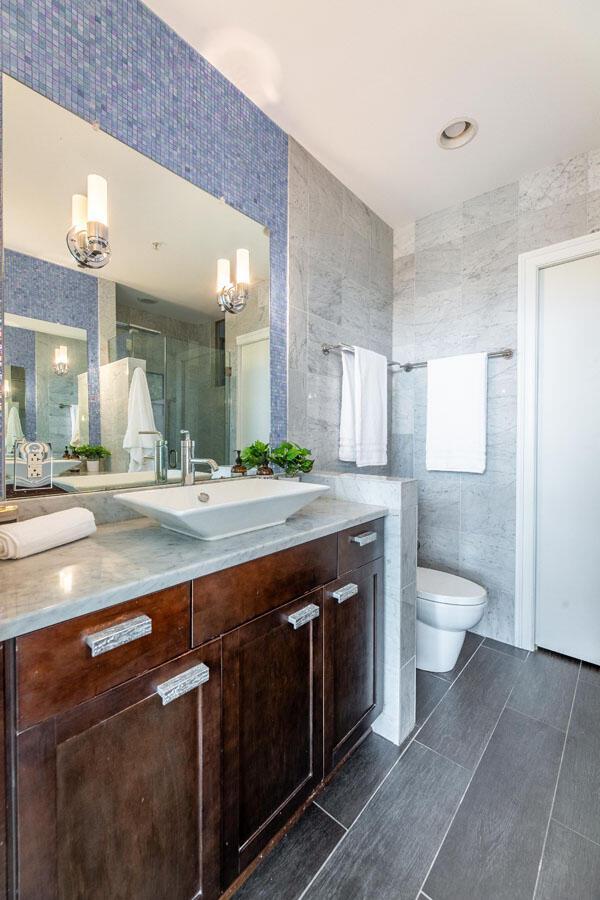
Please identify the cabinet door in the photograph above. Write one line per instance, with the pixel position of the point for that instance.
(352, 622)
(120, 797)
(272, 720)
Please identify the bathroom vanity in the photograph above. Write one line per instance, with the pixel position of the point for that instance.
(156, 745)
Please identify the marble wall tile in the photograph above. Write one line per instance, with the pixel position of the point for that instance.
(408, 635)
(408, 696)
(340, 273)
(401, 455)
(409, 545)
(593, 171)
(593, 211)
(492, 208)
(564, 181)
(552, 224)
(404, 240)
(463, 300)
(443, 227)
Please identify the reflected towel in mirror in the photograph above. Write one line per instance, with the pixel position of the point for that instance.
(14, 431)
(140, 417)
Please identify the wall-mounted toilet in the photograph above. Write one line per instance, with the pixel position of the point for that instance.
(447, 606)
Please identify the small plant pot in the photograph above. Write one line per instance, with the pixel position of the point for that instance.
(93, 466)
(264, 472)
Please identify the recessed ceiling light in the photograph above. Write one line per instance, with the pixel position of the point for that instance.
(457, 133)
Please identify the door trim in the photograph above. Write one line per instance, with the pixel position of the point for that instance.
(530, 265)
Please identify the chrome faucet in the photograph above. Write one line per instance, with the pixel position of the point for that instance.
(189, 462)
(161, 451)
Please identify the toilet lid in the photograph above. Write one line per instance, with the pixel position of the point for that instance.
(445, 588)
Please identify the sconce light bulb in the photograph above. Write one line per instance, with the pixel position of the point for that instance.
(79, 211)
(97, 199)
(223, 274)
(242, 274)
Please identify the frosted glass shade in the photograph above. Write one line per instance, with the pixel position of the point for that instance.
(223, 274)
(97, 199)
(79, 211)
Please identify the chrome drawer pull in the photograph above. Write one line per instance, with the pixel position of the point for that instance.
(117, 635)
(300, 618)
(344, 593)
(367, 537)
(183, 683)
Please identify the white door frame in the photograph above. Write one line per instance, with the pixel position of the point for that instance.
(530, 265)
(242, 340)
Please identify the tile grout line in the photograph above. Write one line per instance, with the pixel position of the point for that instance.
(534, 719)
(437, 753)
(421, 890)
(382, 782)
(327, 813)
(578, 833)
(562, 756)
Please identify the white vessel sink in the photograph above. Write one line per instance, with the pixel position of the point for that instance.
(223, 508)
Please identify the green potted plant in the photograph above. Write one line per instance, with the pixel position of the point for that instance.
(92, 454)
(257, 455)
(292, 458)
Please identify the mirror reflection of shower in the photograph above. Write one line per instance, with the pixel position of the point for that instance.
(187, 383)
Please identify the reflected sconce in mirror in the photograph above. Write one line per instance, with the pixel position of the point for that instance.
(60, 363)
(7, 390)
(87, 239)
(233, 297)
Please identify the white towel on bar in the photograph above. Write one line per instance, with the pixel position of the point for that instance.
(44, 532)
(14, 431)
(140, 417)
(363, 418)
(457, 413)
(74, 418)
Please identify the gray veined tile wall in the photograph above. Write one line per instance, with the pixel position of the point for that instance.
(340, 290)
(455, 291)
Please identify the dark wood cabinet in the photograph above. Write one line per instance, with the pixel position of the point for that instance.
(130, 775)
(272, 725)
(352, 622)
(120, 797)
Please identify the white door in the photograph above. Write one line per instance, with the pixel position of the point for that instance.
(254, 388)
(568, 460)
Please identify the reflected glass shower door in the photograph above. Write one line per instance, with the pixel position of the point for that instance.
(195, 397)
(150, 346)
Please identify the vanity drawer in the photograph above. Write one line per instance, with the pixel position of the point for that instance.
(229, 598)
(360, 545)
(61, 666)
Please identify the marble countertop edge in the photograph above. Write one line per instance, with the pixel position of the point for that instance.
(126, 560)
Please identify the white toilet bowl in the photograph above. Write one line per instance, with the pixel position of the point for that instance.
(447, 606)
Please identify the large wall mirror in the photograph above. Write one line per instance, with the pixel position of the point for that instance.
(122, 338)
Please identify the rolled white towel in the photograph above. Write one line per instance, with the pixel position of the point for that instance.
(44, 532)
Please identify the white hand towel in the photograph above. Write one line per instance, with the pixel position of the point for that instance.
(14, 431)
(363, 420)
(457, 413)
(74, 415)
(140, 417)
(44, 532)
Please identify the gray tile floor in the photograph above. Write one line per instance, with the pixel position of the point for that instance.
(496, 794)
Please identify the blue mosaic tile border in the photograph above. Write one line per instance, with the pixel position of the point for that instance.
(114, 62)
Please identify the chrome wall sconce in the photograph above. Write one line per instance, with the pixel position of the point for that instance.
(60, 363)
(87, 239)
(232, 298)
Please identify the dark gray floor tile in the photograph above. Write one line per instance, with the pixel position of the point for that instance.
(461, 725)
(494, 845)
(546, 687)
(505, 648)
(577, 798)
(472, 642)
(287, 870)
(359, 778)
(571, 867)
(430, 690)
(387, 852)
(590, 673)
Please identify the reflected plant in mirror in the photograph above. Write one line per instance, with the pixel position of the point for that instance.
(118, 347)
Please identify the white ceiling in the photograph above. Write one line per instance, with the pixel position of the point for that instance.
(146, 203)
(366, 86)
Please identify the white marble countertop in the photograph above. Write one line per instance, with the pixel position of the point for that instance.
(128, 559)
